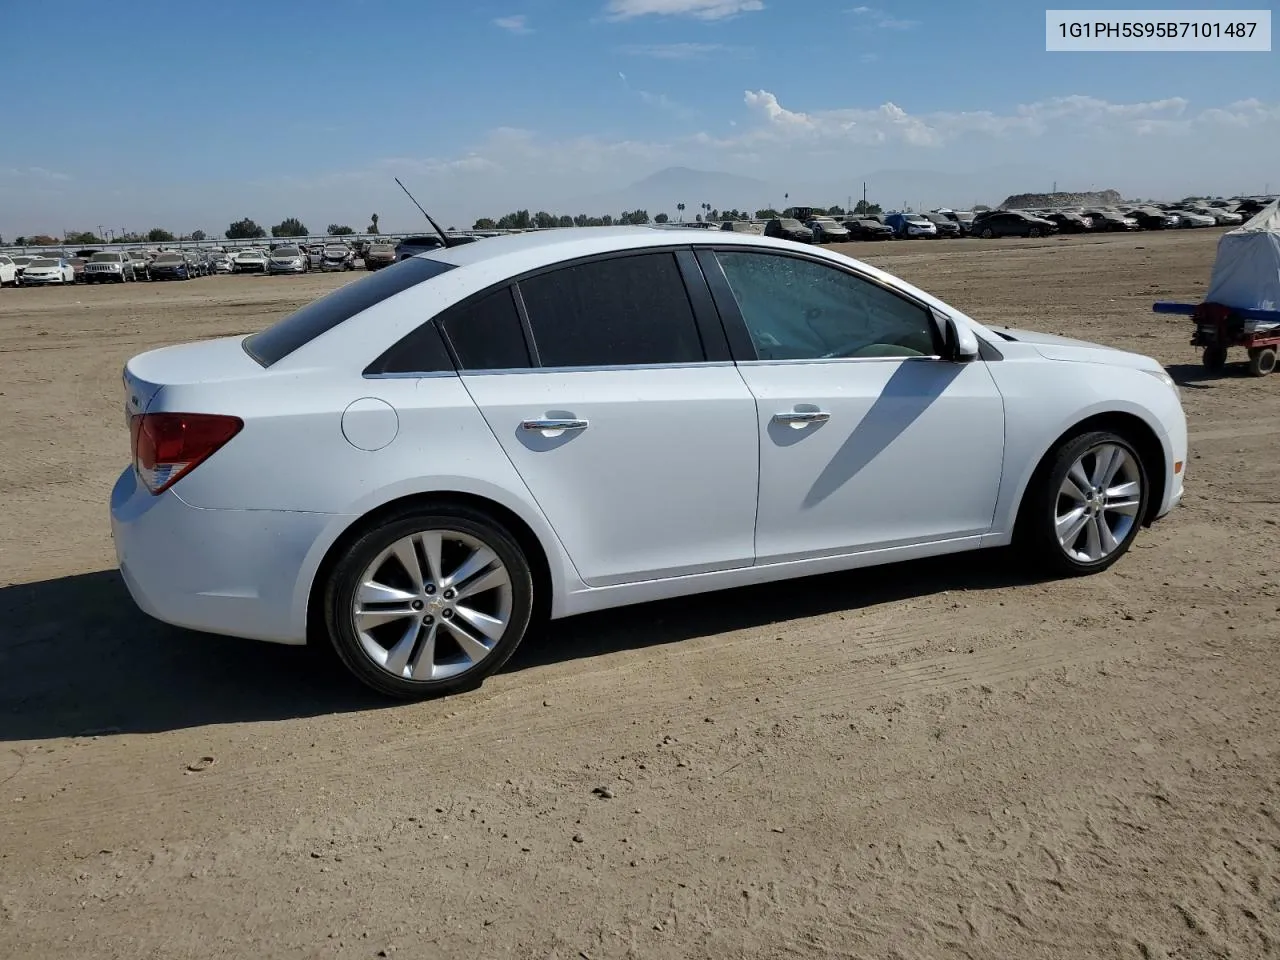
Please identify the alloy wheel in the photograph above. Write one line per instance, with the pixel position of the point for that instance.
(1098, 503)
(433, 605)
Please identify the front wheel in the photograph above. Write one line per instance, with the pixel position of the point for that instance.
(987, 234)
(1033, 232)
(429, 602)
(1083, 510)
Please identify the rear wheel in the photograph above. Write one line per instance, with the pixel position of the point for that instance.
(987, 234)
(429, 602)
(1262, 361)
(1085, 506)
(1033, 232)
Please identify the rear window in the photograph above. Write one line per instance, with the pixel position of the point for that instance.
(284, 337)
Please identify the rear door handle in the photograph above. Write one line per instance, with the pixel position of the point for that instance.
(555, 424)
(801, 418)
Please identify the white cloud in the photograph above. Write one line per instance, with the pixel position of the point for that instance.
(891, 123)
(36, 174)
(697, 9)
(662, 102)
(878, 18)
(674, 51)
(518, 23)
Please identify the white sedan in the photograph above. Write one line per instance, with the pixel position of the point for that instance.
(415, 466)
(8, 271)
(45, 270)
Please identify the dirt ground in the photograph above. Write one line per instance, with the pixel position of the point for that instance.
(926, 761)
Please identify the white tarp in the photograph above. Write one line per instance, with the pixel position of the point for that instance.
(1246, 274)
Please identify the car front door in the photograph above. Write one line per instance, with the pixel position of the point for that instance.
(869, 439)
(616, 399)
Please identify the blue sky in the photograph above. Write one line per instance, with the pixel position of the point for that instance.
(194, 115)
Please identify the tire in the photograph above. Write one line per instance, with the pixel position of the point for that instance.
(1214, 358)
(381, 656)
(1045, 506)
(1033, 232)
(1262, 361)
(987, 234)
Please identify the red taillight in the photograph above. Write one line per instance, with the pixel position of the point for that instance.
(167, 446)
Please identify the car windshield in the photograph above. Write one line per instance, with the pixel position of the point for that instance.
(169, 258)
(336, 251)
(918, 219)
(792, 224)
(43, 262)
(23, 260)
(248, 253)
(105, 258)
(286, 252)
(382, 248)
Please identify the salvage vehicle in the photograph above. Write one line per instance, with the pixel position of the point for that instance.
(1013, 223)
(866, 228)
(249, 261)
(141, 265)
(109, 266)
(8, 271)
(44, 271)
(287, 260)
(909, 226)
(337, 256)
(409, 469)
(171, 266)
(379, 255)
(787, 228)
(827, 230)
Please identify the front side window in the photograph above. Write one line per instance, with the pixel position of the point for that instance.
(797, 309)
(631, 310)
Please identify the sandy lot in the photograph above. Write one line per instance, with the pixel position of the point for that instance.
(926, 761)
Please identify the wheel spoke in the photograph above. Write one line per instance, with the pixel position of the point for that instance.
(1107, 539)
(1124, 498)
(1081, 479)
(473, 647)
(494, 577)
(491, 627)
(1072, 490)
(1069, 526)
(398, 656)
(1103, 457)
(368, 619)
(371, 592)
(1119, 461)
(1092, 540)
(406, 552)
(431, 541)
(480, 558)
(424, 664)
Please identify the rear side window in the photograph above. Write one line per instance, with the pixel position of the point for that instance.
(620, 311)
(283, 338)
(487, 334)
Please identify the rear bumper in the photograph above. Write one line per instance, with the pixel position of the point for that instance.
(232, 572)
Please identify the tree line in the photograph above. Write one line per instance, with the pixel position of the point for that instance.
(524, 220)
(243, 229)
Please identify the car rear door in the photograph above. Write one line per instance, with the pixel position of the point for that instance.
(869, 440)
(609, 384)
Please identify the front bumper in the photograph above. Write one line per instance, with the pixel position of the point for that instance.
(335, 264)
(286, 268)
(40, 281)
(233, 572)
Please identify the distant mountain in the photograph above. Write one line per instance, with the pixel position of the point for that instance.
(660, 192)
(892, 189)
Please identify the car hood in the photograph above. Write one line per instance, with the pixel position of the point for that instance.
(1053, 347)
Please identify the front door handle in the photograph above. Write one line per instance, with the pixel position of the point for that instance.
(555, 424)
(800, 418)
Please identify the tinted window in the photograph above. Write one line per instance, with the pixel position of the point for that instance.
(797, 309)
(282, 338)
(625, 310)
(487, 335)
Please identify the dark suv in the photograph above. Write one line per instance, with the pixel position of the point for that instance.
(787, 228)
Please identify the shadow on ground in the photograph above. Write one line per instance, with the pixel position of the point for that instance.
(1197, 377)
(77, 658)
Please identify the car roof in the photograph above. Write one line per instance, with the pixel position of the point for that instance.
(528, 251)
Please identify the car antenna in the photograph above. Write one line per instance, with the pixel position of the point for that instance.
(444, 238)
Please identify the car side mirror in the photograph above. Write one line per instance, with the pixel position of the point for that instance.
(960, 344)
